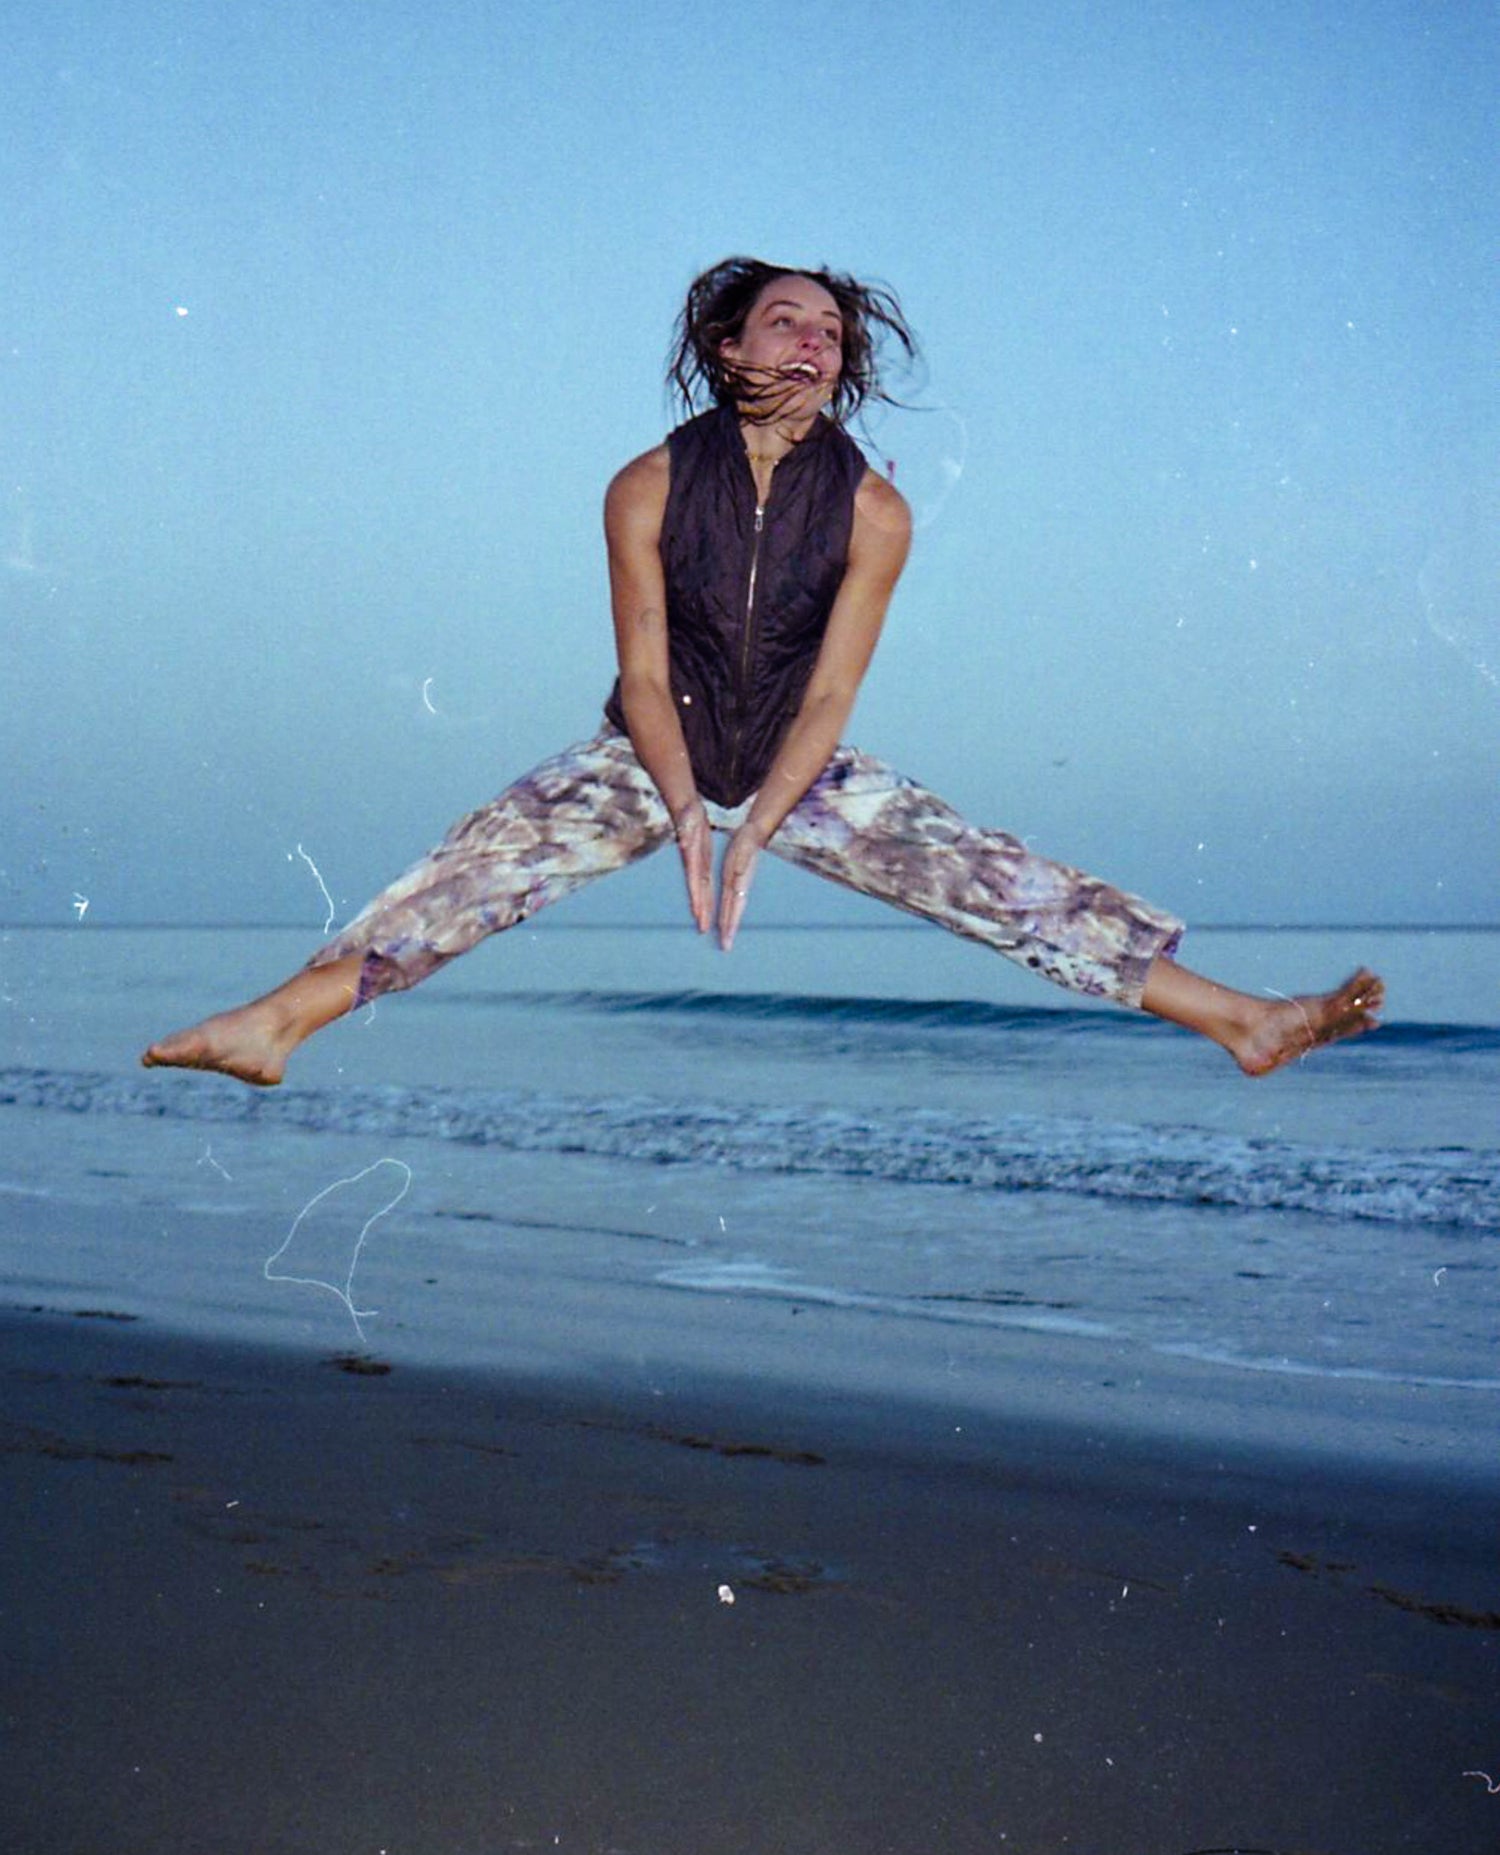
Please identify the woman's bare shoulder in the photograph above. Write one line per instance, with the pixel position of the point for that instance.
(881, 505)
(643, 478)
(636, 499)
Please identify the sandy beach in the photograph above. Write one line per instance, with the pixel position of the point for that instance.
(281, 1599)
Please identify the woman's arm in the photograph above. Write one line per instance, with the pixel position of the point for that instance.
(633, 510)
(877, 553)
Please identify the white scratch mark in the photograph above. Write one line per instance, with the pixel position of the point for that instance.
(209, 1160)
(726, 1594)
(1457, 633)
(427, 699)
(81, 904)
(1437, 1276)
(1312, 1041)
(22, 556)
(321, 884)
(1489, 1783)
(345, 1294)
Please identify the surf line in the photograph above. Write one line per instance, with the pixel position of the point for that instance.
(346, 1293)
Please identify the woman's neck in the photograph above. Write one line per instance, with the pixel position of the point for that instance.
(769, 440)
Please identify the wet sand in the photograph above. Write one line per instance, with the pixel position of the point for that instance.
(274, 1601)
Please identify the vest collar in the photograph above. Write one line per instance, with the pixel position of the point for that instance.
(732, 439)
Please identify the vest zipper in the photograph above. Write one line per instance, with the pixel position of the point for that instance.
(746, 642)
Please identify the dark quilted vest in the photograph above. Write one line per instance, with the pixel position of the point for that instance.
(740, 660)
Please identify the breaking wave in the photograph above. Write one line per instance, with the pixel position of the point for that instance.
(1430, 1186)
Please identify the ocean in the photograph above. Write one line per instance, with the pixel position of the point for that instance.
(880, 1121)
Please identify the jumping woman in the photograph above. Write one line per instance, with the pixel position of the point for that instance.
(751, 559)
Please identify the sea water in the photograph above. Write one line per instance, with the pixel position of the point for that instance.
(883, 1121)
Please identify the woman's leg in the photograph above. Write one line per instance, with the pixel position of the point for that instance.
(864, 825)
(253, 1041)
(578, 816)
(1262, 1034)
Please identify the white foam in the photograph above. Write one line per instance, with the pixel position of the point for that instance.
(1164, 1164)
(754, 1278)
(1303, 1368)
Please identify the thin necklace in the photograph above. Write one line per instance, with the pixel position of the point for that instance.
(770, 457)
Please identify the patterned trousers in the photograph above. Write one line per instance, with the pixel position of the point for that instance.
(594, 808)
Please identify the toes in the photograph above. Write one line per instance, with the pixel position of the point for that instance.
(1355, 1005)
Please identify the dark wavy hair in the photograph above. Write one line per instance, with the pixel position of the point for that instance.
(720, 300)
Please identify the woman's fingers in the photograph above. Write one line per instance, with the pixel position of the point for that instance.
(734, 885)
(695, 841)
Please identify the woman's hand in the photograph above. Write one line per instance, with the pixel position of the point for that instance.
(695, 841)
(735, 878)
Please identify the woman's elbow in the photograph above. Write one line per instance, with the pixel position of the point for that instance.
(641, 687)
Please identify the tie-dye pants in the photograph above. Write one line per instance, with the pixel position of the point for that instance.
(594, 809)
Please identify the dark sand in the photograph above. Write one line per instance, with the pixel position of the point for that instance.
(256, 1601)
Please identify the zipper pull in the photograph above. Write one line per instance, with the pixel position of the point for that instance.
(760, 516)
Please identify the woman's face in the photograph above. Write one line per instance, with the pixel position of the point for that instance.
(791, 345)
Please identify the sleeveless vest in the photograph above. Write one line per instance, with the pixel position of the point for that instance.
(748, 590)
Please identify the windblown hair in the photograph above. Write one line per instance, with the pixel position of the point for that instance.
(721, 299)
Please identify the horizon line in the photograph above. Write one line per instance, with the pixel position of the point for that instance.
(842, 927)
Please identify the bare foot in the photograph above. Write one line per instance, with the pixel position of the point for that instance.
(252, 1043)
(241, 1043)
(1284, 1030)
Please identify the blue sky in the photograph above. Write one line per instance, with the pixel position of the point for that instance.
(325, 326)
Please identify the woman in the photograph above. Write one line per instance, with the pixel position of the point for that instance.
(752, 557)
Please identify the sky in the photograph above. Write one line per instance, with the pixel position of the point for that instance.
(324, 327)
